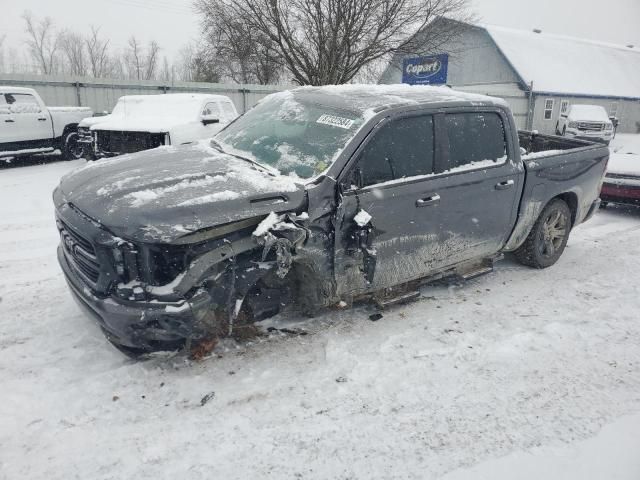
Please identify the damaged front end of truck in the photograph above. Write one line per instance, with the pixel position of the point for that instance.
(173, 264)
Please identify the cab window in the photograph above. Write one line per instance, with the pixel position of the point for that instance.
(4, 106)
(402, 148)
(211, 108)
(22, 103)
(229, 110)
(475, 137)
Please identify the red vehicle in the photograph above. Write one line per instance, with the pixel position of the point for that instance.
(622, 180)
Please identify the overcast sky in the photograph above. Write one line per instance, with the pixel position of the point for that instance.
(173, 23)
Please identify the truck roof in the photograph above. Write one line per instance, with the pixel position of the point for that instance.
(176, 97)
(11, 89)
(375, 98)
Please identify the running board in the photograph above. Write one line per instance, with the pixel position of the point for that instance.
(383, 303)
(476, 273)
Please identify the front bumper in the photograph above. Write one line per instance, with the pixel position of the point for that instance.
(142, 325)
(601, 136)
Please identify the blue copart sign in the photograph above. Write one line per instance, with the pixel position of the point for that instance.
(431, 70)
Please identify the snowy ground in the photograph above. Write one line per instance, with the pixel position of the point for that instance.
(519, 374)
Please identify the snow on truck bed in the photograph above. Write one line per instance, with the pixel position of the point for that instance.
(547, 383)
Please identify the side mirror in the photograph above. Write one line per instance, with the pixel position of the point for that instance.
(209, 119)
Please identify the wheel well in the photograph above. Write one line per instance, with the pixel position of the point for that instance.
(571, 199)
(68, 128)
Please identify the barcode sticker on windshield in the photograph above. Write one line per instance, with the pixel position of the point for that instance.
(334, 121)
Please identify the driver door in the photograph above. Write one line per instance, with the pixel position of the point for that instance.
(390, 183)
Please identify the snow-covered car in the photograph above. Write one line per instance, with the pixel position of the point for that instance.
(142, 122)
(622, 180)
(314, 197)
(28, 126)
(589, 122)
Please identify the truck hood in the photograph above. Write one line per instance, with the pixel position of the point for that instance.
(91, 121)
(160, 195)
(140, 124)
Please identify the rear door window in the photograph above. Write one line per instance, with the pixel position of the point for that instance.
(475, 138)
(22, 103)
(402, 148)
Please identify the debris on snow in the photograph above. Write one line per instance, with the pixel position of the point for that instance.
(209, 396)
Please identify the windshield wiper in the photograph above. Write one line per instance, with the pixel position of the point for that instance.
(215, 144)
(218, 146)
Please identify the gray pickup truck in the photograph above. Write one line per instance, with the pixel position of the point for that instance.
(316, 196)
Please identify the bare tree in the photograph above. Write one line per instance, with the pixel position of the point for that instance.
(98, 53)
(134, 58)
(330, 41)
(72, 46)
(141, 64)
(151, 60)
(167, 71)
(2, 39)
(239, 51)
(43, 42)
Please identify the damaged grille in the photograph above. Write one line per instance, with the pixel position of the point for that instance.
(112, 142)
(81, 254)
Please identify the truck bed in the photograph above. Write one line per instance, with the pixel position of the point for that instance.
(558, 166)
(537, 145)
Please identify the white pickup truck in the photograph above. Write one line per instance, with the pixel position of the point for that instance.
(28, 127)
(142, 122)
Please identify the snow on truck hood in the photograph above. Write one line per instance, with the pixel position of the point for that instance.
(163, 194)
(153, 113)
(140, 124)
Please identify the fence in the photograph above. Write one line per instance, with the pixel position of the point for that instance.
(102, 94)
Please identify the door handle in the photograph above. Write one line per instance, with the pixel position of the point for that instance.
(504, 185)
(42, 119)
(425, 202)
(9, 121)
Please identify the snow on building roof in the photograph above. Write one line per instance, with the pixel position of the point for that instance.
(567, 65)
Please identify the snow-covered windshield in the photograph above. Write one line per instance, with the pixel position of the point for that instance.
(291, 134)
(589, 112)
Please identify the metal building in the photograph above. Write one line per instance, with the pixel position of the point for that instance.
(538, 73)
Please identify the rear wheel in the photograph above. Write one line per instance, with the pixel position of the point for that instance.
(564, 130)
(548, 238)
(71, 148)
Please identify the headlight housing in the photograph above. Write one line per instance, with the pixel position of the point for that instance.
(608, 127)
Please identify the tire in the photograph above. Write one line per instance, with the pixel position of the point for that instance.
(548, 237)
(564, 131)
(557, 129)
(71, 149)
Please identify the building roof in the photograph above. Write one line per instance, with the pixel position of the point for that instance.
(571, 66)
